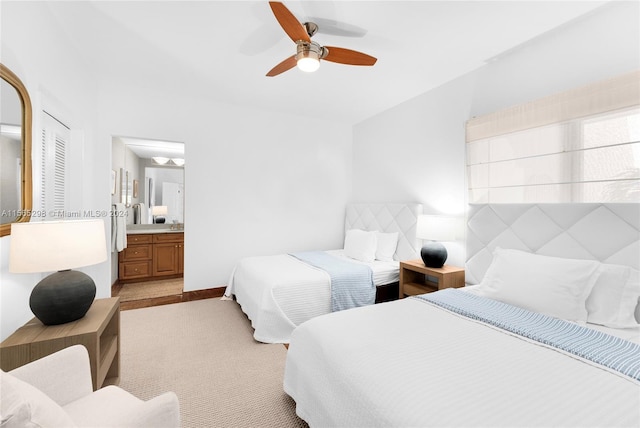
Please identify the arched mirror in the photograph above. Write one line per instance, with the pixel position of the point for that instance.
(15, 151)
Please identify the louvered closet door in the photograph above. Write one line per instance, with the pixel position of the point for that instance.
(53, 169)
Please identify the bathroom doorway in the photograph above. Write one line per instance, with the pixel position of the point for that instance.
(148, 185)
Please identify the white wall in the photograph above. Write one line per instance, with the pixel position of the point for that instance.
(59, 81)
(416, 151)
(253, 185)
(600, 45)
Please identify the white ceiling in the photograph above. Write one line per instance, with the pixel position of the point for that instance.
(223, 49)
(146, 149)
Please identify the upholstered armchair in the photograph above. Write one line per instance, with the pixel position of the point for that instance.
(56, 391)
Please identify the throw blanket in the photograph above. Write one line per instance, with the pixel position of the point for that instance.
(351, 283)
(601, 348)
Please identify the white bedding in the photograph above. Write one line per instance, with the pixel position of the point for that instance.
(408, 363)
(280, 292)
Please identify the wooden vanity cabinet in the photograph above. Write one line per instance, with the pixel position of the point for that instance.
(151, 256)
(167, 254)
(135, 261)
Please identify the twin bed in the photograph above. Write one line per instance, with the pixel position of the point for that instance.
(546, 334)
(280, 292)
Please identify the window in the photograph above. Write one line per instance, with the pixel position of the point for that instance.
(525, 154)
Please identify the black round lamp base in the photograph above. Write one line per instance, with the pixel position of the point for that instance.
(433, 254)
(62, 297)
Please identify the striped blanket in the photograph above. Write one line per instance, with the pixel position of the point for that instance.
(601, 348)
(351, 283)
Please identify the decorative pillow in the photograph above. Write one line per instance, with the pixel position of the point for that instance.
(553, 286)
(387, 244)
(614, 297)
(360, 245)
(15, 414)
(26, 406)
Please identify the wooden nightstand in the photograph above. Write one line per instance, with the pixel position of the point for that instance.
(98, 331)
(416, 278)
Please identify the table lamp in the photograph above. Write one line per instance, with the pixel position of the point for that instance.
(435, 228)
(61, 246)
(158, 212)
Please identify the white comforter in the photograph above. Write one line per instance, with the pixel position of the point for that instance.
(411, 364)
(280, 292)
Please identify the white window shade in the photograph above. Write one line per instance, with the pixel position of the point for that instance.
(594, 158)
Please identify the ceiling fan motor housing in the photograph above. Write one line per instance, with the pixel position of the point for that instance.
(311, 28)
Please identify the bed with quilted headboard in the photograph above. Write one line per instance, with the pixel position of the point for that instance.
(280, 292)
(546, 334)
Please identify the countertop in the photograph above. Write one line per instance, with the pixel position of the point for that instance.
(139, 229)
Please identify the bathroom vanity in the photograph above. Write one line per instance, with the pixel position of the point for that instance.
(152, 254)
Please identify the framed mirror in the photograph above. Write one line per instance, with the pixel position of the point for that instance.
(15, 151)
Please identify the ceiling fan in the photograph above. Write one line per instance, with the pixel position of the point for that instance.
(308, 53)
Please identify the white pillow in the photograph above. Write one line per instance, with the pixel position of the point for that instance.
(614, 297)
(23, 405)
(553, 286)
(386, 247)
(360, 245)
(16, 415)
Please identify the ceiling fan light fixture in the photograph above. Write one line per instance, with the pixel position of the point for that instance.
(308, 56)
(308, 64)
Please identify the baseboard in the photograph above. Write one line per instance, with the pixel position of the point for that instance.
(208, 293)
(186, 296)
(116, 287)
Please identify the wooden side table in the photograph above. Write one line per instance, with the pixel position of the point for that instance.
(98, 331)
(415, 278)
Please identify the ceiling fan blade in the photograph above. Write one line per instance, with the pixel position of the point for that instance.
(264, 34)
(348, 56)
(285, 65)
(289, 22)
(337, 28)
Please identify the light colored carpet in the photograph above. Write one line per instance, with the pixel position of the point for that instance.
(151, 289)
(204, 351)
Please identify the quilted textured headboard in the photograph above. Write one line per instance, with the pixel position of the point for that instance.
(609, 233)
(401, 218)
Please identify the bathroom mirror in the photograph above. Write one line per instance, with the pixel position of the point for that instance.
(151, 174)
(15, 151)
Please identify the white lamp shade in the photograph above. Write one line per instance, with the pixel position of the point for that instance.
(159, 210)
(438, 227)
(56, 245)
